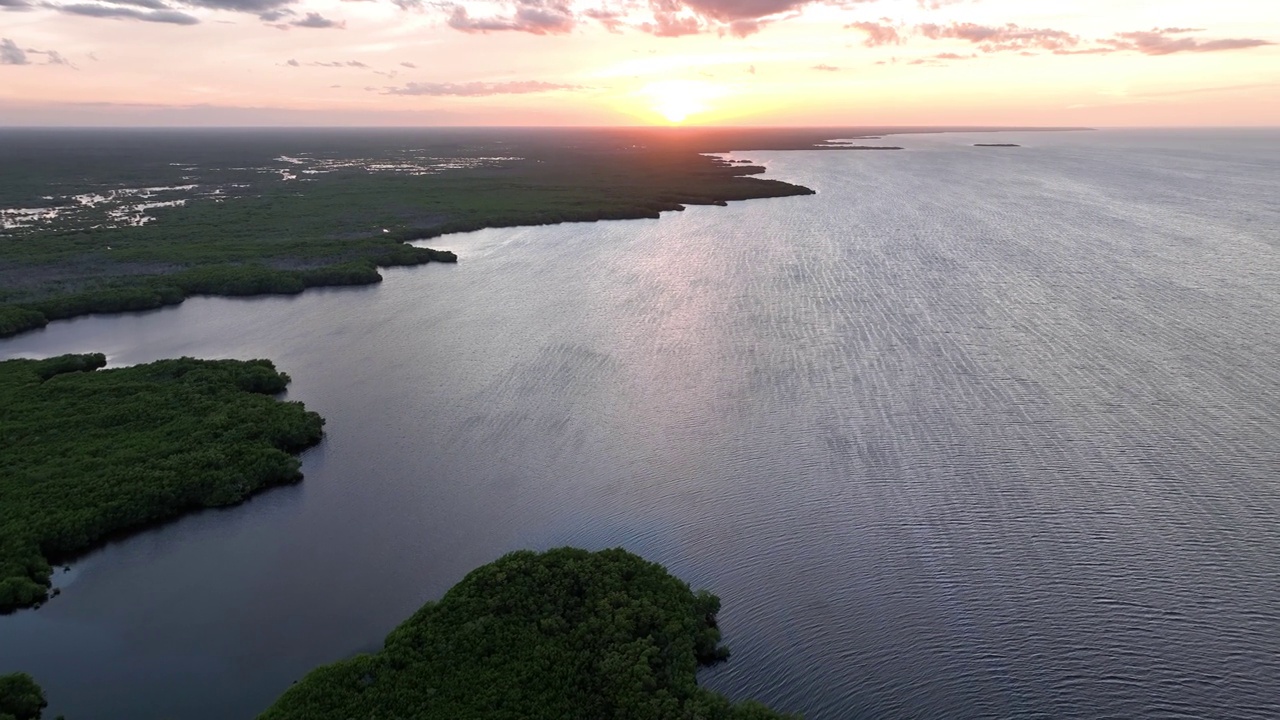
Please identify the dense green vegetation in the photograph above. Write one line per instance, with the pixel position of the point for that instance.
(559, 635)
(88, 452)
(245, 231)
(20, 697)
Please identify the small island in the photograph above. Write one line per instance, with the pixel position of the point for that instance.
(88, 453)
(20, 697)
(562, 635)
(995, 145)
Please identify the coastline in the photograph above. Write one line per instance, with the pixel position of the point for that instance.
(565, 177)
(639, 185)
(95, 453)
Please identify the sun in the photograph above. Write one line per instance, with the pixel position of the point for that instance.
(676, 110)
(678, 100)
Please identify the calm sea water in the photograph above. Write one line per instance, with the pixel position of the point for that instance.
(972, 433)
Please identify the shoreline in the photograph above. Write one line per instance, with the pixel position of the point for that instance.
(200, 434)
(717, 183)
(564, 177)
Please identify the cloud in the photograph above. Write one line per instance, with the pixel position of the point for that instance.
(612, 20)
(739, 18)
(247, 6)
(743, 28)
(293, 63)
(16, 5)
(409, 65)
(172, 17)
(877, 33)
(51, 57)
(316, 20)
(477, 89)
(1083, 51)
(332, 64)
(940, 59)
(670, 24)
(11, 54)
(1001, 38)
(173, 11)
(531, 17)
(825, 68)
(148, 4)
(662, 18)
(1159, 42)
(1011, 37)
(729, 10)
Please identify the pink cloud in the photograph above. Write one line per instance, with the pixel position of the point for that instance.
(612, 20)
(662, 18)
(537, 19)
(730, 10)
(878, 33)
(1001, 38)
(1160, 42)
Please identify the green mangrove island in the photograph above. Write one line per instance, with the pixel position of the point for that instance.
(89, 453)
(20, 697)
(561, 635)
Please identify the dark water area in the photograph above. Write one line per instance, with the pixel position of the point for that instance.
(971, 433)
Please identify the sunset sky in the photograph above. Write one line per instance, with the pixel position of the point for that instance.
(608, 62)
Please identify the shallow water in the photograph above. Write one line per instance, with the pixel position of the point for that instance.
(972, 432)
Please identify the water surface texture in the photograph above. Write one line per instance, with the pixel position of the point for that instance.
(971, 433)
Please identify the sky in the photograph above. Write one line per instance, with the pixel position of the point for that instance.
(1098, 63)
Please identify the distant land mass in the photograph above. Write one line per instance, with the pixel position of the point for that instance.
(133, 219)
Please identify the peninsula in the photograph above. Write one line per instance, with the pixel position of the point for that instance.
(88, 452)
(146, 220)
(123, 220)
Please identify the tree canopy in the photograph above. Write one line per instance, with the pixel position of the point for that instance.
(89, 452)
(561, 635)
(20, 697)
